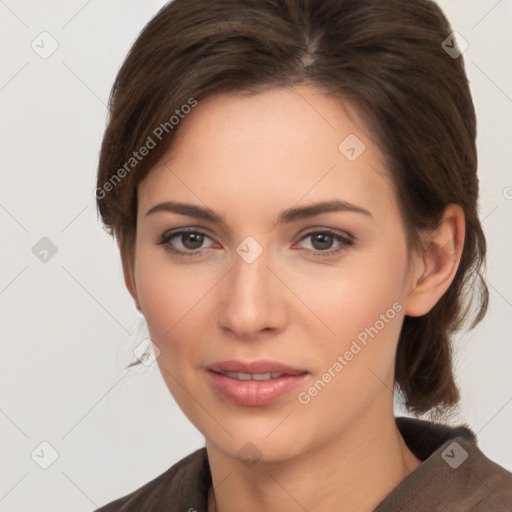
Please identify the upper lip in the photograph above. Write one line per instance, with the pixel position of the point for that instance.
(253, 367)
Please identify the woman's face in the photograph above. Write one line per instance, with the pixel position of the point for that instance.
(276, 280)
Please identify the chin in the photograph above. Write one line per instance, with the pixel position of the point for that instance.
(256, 441)
(255, 452)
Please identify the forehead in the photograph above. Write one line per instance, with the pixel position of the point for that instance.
(268, 151)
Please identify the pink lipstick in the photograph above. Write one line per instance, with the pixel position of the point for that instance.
(255, 383)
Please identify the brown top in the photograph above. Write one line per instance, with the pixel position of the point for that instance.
(454, 476)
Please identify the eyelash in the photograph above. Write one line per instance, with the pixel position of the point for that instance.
(345, 241)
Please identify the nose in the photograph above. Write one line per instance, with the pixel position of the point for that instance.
(253, 300)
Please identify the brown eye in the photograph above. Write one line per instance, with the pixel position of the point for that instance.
(192, 240)
(322, 241)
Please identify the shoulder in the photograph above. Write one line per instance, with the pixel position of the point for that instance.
(454, 474)
(475, 480)
(184, 484)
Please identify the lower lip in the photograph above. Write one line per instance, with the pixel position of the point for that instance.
(254, 393)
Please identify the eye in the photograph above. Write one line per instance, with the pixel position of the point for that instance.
(184, 242)
(190, 242)
(321, 242)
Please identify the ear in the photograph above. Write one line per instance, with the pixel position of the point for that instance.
(129, 278)
(436, 266)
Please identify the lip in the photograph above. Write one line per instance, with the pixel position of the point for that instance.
(254, 393)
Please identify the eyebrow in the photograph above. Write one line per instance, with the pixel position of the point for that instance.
(286, 216)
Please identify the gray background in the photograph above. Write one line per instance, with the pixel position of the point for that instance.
(68, 324)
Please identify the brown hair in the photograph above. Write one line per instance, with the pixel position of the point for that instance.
(384, 56)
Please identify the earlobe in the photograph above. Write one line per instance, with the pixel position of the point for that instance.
(437, 265)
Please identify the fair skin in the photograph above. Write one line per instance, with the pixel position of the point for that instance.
(247, 159)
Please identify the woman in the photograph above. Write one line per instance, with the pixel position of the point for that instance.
(293, 188)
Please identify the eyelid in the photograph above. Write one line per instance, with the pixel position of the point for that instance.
(319, 229)
(185, 229)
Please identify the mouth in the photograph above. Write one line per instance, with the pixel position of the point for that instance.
(254, 384)
(262, 367)
(253, 376)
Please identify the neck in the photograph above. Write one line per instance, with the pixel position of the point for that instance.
(355, 470)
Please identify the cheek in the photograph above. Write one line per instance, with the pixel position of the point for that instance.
(171, 300)
(354, 366)
(168, 292)
(360, 306)
(351, 296)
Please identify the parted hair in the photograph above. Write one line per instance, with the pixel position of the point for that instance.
(388, 58)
